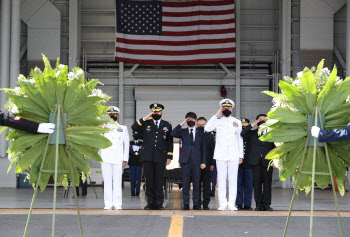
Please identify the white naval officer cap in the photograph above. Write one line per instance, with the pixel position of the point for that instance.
(227, 103)
(113, 110)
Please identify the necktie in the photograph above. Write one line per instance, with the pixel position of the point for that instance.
(157, 125)
(191, 136)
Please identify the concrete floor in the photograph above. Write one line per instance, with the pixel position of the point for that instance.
(158, 226)
(133, 221)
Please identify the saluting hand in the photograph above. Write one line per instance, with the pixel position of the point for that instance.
(219, 112)
(148, 115)
(184, 122)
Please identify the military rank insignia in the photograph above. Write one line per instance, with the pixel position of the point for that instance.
(235, 124)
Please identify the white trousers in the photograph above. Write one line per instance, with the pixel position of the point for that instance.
(227, 169)
(112, 178)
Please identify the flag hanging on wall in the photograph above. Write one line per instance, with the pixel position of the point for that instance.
(175, 33)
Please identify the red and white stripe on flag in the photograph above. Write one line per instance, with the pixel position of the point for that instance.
(199, 32)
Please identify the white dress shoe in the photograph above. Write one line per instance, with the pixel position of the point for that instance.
(222, 208)
(117, 208)
(232, 208)
(108, 208)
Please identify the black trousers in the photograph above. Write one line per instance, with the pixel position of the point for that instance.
(189, 170)
(83, 187)
(154, 174)
(262, 181)
(205, 177)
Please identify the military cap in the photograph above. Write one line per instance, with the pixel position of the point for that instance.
(155, 107)
(226, 103)
(113, 110)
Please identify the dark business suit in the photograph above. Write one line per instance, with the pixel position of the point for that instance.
(205, 173)
(193, 154)
(262, 177)
(334, 135)
(157, 148)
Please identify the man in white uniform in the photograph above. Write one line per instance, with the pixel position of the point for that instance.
(228, 152)
(114, 159)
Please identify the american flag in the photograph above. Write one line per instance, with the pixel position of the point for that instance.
(175, 33)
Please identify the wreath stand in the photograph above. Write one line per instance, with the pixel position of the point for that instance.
(59, 137)
(316, 120)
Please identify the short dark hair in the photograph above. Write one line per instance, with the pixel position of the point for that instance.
(202, 118)
(191, 115)
(261, 115)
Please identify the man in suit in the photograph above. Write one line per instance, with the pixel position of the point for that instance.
(228, 152)
(156, 153)
(245, 177)
(192, 158)
(262, 177)
(331, 135)
(135, 163)
(16, 122)
(210, 162)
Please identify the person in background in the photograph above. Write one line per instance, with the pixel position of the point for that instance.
(262, 176)
(228, 152)
(210, 162)
(135, 163)
(83, 187)
(114, 159)
(16, 122)
(156, 153)
(245, 177)
(331, 135)
(213, 180)
(192, 158)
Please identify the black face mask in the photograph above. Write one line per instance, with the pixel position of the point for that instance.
(115, 118)
(261, 122)
(156, 116)
(200, 128)
(191, 123)
(226, 112)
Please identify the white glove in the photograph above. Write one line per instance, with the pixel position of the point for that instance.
(315, 131)
(46, 128)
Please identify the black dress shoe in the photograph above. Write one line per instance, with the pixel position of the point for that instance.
(148, 207)
(258, 209)
(197, 207)
(205, 208)
(212, 195)
(186, 207)
(239, 207)
(159, 207)
(137, 194)
(247, 208)
(267, 209)
(132, 194)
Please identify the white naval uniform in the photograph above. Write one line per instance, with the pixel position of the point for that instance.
(228, 150)
(112, 169)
